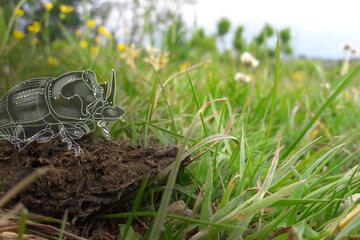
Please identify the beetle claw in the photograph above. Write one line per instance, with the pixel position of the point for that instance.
(106, 133)
(71, 144)
(77, 150)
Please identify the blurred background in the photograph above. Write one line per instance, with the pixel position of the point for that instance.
(316, 29)
(319, 39)
(139, 36)
(319, 28)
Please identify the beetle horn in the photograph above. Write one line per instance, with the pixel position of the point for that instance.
(111, 98)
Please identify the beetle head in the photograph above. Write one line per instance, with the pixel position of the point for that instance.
(105, 109)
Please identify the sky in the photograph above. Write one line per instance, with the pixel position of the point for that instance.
(320, 27)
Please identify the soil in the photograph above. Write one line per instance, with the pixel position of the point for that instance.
(87, 185)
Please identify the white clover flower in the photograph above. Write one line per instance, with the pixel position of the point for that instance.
(239, 76)
(346, 47)
(249, 60)
(351, 48)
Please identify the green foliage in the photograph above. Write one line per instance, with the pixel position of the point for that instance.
(261, 41)
(2, 25)
(264, 35)
(239, 43)
(175, 39)
(223, 26)
(268, 30)
(201, 42)
(285, 36)
(35, 11)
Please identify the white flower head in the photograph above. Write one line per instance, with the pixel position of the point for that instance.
(351, 48)
(239, 76)
(249, 60)
(346, 47)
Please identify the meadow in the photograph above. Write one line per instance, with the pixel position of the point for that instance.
(273, 139)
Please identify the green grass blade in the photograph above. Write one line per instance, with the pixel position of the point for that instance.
(160, 218)
(151, 108)
(197, 103)
(346, 80)
(352, 224)
(63, 226)
(22, 224)
(136, 205)
(273, 103)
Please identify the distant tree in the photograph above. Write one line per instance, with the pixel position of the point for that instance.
(266, 32)
(285, 37)
(239, 43)
(148, 19)
(223, 26)
(201, 42)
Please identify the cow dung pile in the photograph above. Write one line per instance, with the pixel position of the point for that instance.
(87, 185)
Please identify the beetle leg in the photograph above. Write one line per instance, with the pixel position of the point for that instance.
(45, 135)
(104, 130)
(11, 135)
(83, 127)
(70, 142)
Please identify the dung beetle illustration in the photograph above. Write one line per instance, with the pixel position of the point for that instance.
(68, 106)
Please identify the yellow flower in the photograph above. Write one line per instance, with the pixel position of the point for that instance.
(48, 6)
(78, 32)
(91, 23)
(66, 8)
(121, 47)
(94, 50)
(19, 12)
(35, 27)
(97, 39)
(83, 44)
(18, 35)
(52, 61)
(298, 76)
(103, 31)
(183, 66)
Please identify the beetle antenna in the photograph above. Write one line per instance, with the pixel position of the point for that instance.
(111, 98)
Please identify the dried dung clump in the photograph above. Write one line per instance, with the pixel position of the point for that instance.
(85, 185)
